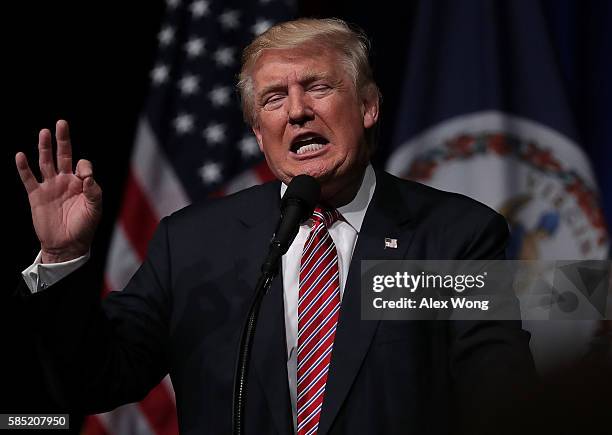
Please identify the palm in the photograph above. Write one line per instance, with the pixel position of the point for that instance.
(61, 213)
(66, 206)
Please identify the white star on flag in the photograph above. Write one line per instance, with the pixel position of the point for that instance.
(159, 74)
(189, 85)
(224, 56)
(194, 47)
(199, 8)
(248, 146)
(166, 36)
(261, 26)
(220, 95)
(210, 172)
(183, 123)
(229, 19)
(214, 133)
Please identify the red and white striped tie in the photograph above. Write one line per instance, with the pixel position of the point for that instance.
(318, 308)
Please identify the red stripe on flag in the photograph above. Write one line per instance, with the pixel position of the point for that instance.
(160, 411)
(106, 289)
(137, 217)
(217, 194)
(92, 426)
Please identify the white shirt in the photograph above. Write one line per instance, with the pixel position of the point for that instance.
(344, 233)
(39, 275)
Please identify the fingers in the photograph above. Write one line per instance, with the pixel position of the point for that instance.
(25, 173)
(64, 148)
(92, 192)
(84, 169)
(45, 156)
(91, 189)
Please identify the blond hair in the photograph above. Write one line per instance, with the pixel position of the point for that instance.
(351, 43)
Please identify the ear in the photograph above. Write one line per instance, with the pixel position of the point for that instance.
(371, 105)
(257, 132)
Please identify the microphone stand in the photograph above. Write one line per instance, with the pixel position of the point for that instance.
(268, 271)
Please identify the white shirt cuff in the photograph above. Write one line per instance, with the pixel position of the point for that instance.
(40, 276)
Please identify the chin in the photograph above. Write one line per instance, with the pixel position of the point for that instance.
(321, 174)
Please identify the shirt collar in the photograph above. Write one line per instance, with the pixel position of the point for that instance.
(354, 212)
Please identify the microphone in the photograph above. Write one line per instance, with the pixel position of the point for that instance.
(297, 205)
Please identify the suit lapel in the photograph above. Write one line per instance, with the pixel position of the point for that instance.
(269, 355)
(385, 217)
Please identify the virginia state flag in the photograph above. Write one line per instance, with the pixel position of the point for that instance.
(487, 111)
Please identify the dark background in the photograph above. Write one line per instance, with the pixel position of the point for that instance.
(88, 63)
(90, 66)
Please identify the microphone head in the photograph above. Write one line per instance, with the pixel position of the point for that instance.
(305, 190)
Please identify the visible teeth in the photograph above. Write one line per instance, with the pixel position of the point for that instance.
(308, 148)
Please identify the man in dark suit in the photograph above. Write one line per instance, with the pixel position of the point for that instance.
(310, 98)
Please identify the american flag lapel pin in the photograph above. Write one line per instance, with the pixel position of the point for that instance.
(390, 243)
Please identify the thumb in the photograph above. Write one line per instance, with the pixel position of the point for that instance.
(92, 191)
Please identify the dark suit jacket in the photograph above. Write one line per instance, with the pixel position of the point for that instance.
(183, 311)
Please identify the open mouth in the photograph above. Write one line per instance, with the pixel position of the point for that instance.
(308, 144)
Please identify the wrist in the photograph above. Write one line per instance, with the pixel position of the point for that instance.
(47, 257)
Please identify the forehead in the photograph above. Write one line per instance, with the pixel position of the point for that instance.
(279, 65)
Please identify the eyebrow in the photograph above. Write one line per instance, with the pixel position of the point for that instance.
(305, 79)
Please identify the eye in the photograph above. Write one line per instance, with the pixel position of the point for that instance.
(320, 87)
(273, 101)
(319, 90)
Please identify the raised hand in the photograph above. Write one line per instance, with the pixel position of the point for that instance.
(66, 206)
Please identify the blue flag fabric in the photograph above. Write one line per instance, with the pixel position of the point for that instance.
(580, 34)
(492, 107)
(498, 60)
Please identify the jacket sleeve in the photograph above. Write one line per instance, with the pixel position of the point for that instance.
(491, 365)
(98, 355)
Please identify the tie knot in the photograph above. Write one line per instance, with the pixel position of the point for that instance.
(327, 216)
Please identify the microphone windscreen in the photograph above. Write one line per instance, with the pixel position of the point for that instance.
(304, 189)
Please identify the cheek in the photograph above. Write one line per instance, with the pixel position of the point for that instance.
(274, 126)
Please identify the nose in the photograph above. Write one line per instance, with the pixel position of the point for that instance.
(299, 108)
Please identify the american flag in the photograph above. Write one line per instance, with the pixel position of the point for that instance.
(191, 143)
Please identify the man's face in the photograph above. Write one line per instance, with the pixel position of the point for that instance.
(309, 119)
